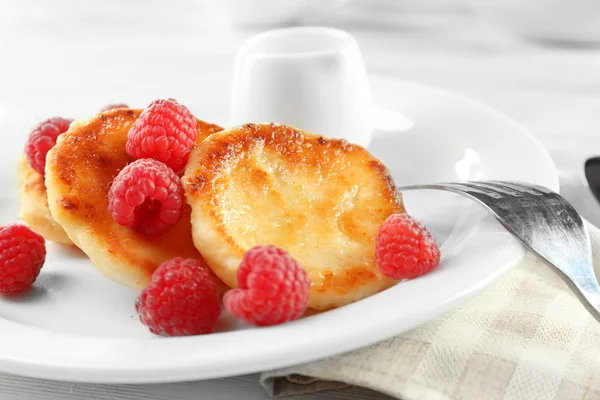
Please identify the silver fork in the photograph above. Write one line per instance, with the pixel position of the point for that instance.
(544, 222)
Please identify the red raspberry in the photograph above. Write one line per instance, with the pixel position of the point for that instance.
(112, 106)
(165, 131)
(42, 139)
(182, 299)
(405, 249)
(22, 255)
(148, 196)
(272, 288)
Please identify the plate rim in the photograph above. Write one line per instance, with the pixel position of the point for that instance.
(553, 175)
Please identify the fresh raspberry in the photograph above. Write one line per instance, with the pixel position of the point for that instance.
(182, 299)
(22, 255)
(148, 196)
(111, 106)
(42, 139)
(405, 249)
(165, 131)
(272, 288)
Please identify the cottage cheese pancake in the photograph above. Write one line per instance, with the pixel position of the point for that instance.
(322, 200)
(34, 204)
(79, 173)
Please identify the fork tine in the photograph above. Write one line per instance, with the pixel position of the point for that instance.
(472, 188)
(499, 187)
(526, 188)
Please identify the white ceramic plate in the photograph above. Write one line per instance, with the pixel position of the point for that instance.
(77, 325)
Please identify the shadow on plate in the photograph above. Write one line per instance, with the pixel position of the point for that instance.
(48, 285)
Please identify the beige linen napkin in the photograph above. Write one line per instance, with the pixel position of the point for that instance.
(526, 337)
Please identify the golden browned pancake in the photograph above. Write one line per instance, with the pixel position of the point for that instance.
(79, 172)
(34, 204)
(322, 200)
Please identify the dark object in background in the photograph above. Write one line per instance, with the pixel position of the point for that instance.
(592, 174)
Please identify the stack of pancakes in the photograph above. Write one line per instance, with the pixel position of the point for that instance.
(322, 200)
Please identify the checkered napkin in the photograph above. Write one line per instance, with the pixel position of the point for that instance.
(527, 337)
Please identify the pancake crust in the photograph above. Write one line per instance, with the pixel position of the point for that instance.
(79, 172)
(322, 200)
(34, 204)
